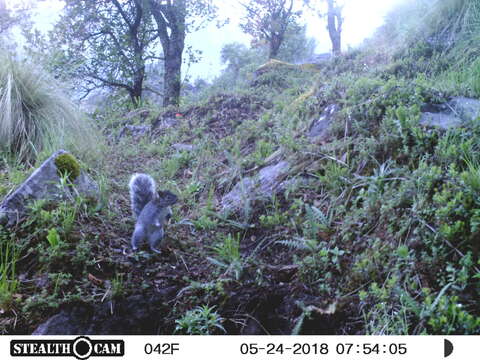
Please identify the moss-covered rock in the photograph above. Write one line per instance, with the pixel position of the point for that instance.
(43, 184)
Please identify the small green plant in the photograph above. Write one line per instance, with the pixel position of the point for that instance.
(61, 216)
(317, 222)
(229, 249)
(263, 149)
(53, 238)
(274, 216)
(319, 267)
(202, 320)
(335, 176)
(193, 188)
(471, 177)
(272, 220)
(228, 255)
(205, 222)
(172, 165)
(475, 78)
(118, 286)
(60, 280)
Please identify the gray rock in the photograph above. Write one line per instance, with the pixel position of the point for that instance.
(140, 314)
(440, 120)
(165, 123)
(239, 195)
(134, 130)
(453, 113)
(294, 183)
(263, 185)
(44, 183)
(65, 323)
(184, 147)
(269, 178)
(466, 108)
(320, 129)
(85, 186)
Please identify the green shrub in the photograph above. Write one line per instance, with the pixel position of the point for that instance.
(447, 316)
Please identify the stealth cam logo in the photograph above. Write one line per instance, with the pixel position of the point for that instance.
(81, 348)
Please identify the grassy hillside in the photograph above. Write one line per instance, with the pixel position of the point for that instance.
(375, 229)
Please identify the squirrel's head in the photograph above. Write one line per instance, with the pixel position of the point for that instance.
(166, 198)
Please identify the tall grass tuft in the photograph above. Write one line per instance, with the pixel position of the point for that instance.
(36, 117)
(8, 282)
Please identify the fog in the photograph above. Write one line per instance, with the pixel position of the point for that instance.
(361, 18)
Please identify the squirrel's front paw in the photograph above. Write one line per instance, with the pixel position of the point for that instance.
(156, 250)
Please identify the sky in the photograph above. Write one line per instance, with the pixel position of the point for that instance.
(361, 18)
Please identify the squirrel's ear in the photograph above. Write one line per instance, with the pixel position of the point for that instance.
(167, 197)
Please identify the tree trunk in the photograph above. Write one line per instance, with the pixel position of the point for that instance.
(274, 43)
(170, 19)
(136, 90)
(172, 77)
(334, 18)
(336, 39)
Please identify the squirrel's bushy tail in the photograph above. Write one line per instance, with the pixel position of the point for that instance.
(142, 190)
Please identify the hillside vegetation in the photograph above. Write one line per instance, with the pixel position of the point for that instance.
(373, 227)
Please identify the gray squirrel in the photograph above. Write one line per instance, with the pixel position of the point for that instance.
(151, 209)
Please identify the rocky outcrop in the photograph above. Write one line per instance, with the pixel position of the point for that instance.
(454, 113)
(263, 185)
(45, 183)
(135, 315)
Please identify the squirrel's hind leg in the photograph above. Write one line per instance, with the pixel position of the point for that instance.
(137, 237)
(155, 239)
